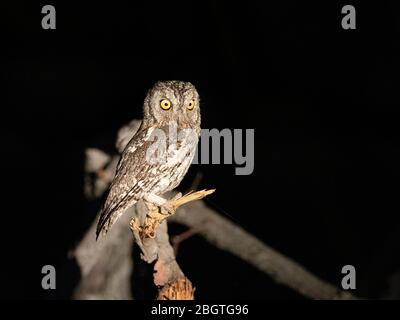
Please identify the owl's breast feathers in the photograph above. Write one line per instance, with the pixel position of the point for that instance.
(152, 162)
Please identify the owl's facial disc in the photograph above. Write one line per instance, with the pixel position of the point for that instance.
(173, 101)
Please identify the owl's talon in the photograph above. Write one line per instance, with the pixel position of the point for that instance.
(167, 209)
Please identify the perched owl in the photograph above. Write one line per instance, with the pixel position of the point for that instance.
(158, 156)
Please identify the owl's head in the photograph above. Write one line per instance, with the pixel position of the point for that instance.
(172, 101)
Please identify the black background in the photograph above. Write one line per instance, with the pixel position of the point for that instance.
(323, 102)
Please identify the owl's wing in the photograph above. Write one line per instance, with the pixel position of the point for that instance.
(130, 182)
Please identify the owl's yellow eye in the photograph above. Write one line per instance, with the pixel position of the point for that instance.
(190, 105)
(165, 104)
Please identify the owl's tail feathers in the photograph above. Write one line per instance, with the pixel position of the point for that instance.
(101, 224)
(106, 220)
(108, 216)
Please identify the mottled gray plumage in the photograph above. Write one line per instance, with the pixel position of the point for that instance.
(138, 175)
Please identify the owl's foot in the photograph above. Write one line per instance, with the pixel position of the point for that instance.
(159, 209)
(169, 207)
(165, 207)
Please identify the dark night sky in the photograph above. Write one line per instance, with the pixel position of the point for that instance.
(323, 102)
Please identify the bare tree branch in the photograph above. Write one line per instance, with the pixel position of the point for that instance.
(226, 235)
(149, 228)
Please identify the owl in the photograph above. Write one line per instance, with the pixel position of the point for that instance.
(158, 156)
